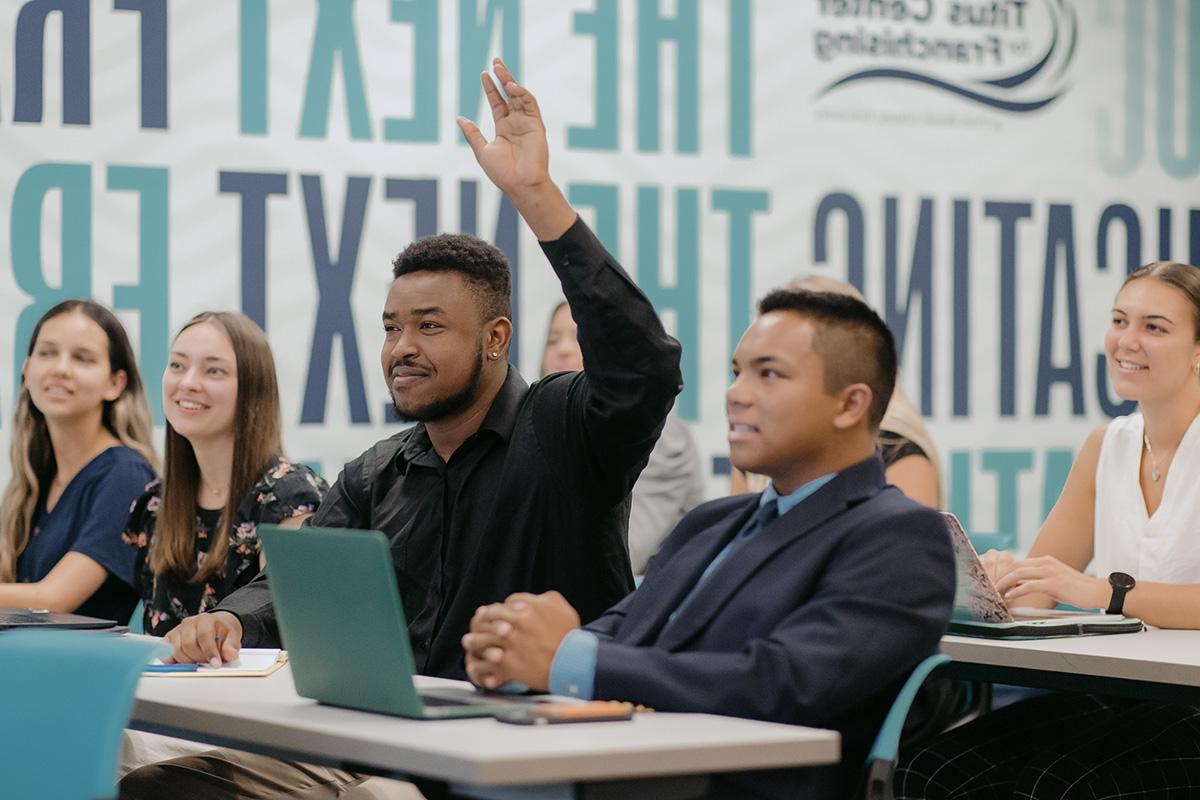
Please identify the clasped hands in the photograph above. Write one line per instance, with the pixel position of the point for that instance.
(1044, 576)
(516, 640)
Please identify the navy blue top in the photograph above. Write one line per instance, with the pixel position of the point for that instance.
(89, 518)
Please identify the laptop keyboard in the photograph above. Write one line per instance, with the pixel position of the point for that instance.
(432, 701)
(432, 697)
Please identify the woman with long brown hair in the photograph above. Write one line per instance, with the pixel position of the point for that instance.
(225, 473)
(1131, 511)
(81, 454)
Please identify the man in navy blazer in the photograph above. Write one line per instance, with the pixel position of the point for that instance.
(808, 604)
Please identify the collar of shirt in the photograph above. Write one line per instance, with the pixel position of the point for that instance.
(500, 419)
(789, 501)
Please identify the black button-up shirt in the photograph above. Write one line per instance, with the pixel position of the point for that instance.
(537, 498)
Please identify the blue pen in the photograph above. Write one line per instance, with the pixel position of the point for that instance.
(170, 668)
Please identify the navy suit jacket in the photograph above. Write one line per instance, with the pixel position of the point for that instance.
(816, 620)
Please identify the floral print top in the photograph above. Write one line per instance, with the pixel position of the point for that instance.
(285, 490)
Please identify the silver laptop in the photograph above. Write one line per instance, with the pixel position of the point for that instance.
(41, 618)
(980, 610)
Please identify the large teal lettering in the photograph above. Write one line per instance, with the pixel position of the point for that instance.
(740, 204)
(654, 30)
(422, 126)
(73, 182)
(1122, 159)
(683, 296)
(1186, 164)
(741, 87)
(335, 39)
(252, 69)
(149, 296)
(602, 25)
(605, 199)
(475, 45)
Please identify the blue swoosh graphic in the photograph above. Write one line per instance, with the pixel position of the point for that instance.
(1022, 77)
(929, 80)
(1074, 40)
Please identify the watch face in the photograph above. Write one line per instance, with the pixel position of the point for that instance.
(1120, 580)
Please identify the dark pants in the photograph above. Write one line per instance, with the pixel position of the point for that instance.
(225, 774)
(1062, 747)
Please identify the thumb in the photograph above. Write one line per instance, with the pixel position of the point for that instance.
(472, 134)
(231, 645)
(231, 641)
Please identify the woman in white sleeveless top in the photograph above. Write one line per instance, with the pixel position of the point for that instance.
(1131, 503)
(1131, 509)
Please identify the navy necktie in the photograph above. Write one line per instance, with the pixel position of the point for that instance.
(761, 519)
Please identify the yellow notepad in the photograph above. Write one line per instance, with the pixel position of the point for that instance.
(252, 662)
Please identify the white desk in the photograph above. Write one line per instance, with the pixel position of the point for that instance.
(265, 715)
(1153, 664)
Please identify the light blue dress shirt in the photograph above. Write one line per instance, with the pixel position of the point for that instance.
(573, 671)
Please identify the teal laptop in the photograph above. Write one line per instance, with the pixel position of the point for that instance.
(342, 622)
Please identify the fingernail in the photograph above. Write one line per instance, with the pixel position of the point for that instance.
(493, 654)
(214, 662)
(490, 682)
(503, 628)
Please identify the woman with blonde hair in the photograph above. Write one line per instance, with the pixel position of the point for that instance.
(909, 455)
(81, 454)
(224, 474)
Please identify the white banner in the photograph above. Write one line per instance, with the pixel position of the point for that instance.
(986, 171)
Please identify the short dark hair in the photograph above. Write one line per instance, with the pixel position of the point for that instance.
(852, 341)
(483, 266)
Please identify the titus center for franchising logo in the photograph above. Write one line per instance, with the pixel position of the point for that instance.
(1009, 55)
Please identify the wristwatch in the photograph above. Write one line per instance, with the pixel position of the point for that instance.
(1121, 584)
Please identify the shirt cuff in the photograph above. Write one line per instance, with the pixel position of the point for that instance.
(573, 671)
(512, 687)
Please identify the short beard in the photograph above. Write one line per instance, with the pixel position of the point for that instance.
(448, 406)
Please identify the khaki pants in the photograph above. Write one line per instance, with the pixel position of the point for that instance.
(224, 774)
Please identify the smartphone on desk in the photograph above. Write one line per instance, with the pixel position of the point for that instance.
(560, 713)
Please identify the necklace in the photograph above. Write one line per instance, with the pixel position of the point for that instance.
(224, 489)
(1154, 475)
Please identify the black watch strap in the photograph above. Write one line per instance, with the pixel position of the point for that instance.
(1121, 584)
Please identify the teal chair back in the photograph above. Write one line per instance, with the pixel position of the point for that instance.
(881, 761)
(137, 622)
(65, 697)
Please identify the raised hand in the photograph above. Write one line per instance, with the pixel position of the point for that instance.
(517, 160)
